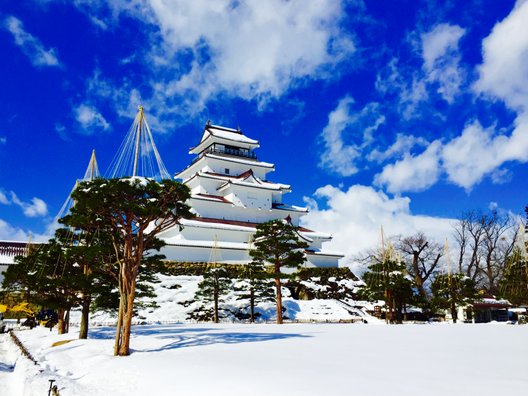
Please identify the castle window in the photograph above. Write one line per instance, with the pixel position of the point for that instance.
(227, 171)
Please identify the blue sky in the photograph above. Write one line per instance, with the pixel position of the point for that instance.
(401, 113)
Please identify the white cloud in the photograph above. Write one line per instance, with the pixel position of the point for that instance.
(504, 73)
(412, 173)
(3, 198)
(409, 86)
(478, 152)
(339, 156)
(439, 41)
(354, 218)
(402, 145)
(30, 45)
(466, 159)
(12, 233)
(255, 47)
(254, 50)
(441, 59)
(35, 208)
(90, 119)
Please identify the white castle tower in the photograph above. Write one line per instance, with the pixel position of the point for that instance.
(230, 195)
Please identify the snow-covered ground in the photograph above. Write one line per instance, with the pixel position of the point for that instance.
(265, 359)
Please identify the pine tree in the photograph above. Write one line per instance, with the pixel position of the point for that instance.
(514, 284)
(92, 254)
(278, 243)
(452, 290)
(255, 286)
(48, 277)
(213, 287)
(388, 281)
(132, 212)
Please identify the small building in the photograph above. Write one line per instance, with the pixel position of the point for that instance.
(231, 195)
(489, 309)
(484, 310)
(8, 251)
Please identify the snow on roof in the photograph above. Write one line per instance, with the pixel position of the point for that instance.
(282, 206)
(257, 184)
(314, 234)
(223, 135)
(240, 161)
(6, 259)
(196, 164)
(490, 302)
(227, 133)
(241, 180)
(219, 224)
(208, 197)
(324, 253)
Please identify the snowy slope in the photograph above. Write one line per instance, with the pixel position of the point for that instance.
(175, 300)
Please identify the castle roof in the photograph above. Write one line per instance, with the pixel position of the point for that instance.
(208, 222)
(197, 164)
(228, 136)
(246, 179)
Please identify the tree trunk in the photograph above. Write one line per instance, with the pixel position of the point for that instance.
(215, 298)
(278, 299)
(453, 312)
(127, 292)
(85, 315)
(252, 305)
(61, 327)
(128, 314)
(389, 313)
(119, 324)
(67, 321)
(417, 277)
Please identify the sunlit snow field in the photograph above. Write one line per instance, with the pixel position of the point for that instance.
(265, 359)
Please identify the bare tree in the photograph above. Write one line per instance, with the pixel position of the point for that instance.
(423, 256)
(484, 241)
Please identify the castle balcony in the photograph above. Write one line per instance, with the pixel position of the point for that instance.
(228, 152)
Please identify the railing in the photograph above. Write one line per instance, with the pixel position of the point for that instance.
(53, 389)
(228, 151)
(12, 249)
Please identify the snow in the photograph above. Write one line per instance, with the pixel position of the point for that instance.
(242, 161)
(259, 184)
(261, 359)
(140, 180)
(175, 300)
(290, 207)
(221, 226)
(234, 135)
(265, 359)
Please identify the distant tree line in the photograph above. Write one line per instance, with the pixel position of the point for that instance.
(488, 258)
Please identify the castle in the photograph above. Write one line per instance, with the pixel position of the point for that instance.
(230, 195)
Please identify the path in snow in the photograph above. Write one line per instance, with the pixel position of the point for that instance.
(7, 367)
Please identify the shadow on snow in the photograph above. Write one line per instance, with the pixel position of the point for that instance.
(6, 367)
(185, 341)
(184, 337)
